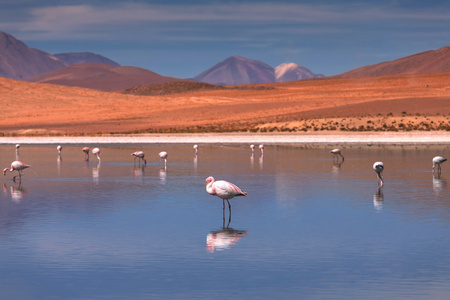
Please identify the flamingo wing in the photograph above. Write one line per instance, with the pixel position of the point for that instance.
(227, 190)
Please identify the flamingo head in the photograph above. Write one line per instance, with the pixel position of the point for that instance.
(209, 180)
(378, 167)
(4, 171)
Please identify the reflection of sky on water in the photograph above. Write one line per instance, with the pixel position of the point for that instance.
(130, 231)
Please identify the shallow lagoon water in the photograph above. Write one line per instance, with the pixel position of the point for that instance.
(311, 228)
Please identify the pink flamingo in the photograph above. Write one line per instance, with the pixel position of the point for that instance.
(86, 153)
(96, 152)
(195, 149)
(16, 166)
(336, 153)
(224, 190)
(253, 148)
(261, 148)
(378, 167)
(163, 155)
(140, 155)
(438, 160)
(59, 148)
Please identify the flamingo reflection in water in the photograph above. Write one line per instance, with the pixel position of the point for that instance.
(96, 172)
(17, 193)
(139, 171)
(223, 238)
(439, 183)
(378, 199)
(336, 169)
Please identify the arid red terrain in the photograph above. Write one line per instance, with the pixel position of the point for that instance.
(387, 103)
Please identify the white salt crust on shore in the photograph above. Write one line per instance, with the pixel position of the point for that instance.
(405, 138)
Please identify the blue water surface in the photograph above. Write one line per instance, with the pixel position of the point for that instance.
(310, 228)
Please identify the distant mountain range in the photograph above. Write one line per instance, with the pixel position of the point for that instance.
(85, 69)
(73, 58)
(18, 61)
(290, 72)
(239, 70)
(432, 61)
(102, 77)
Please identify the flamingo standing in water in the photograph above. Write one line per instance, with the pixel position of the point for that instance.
(59, 148)
(253, 148)
(378, 167)
(438, 160)
(261, 148)
(17, 151)
(336, 153)
(86, 153)
(224, 190)
(195, 149)
(16, 166)
(96, 152)
(140, 155)
(163, 155)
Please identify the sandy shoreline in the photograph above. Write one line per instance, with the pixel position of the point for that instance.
(406, 138)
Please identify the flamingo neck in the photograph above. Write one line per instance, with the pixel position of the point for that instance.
(210, 188)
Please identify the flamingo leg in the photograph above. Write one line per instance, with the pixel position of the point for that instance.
(223, 210)
(20, 177)
(229, 208)
(380, 179)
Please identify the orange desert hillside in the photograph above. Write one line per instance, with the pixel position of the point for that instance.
(35, 108)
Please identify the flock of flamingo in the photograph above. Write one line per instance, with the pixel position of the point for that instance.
(221, 188)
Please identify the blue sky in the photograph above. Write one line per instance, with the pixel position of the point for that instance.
(183, 38)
